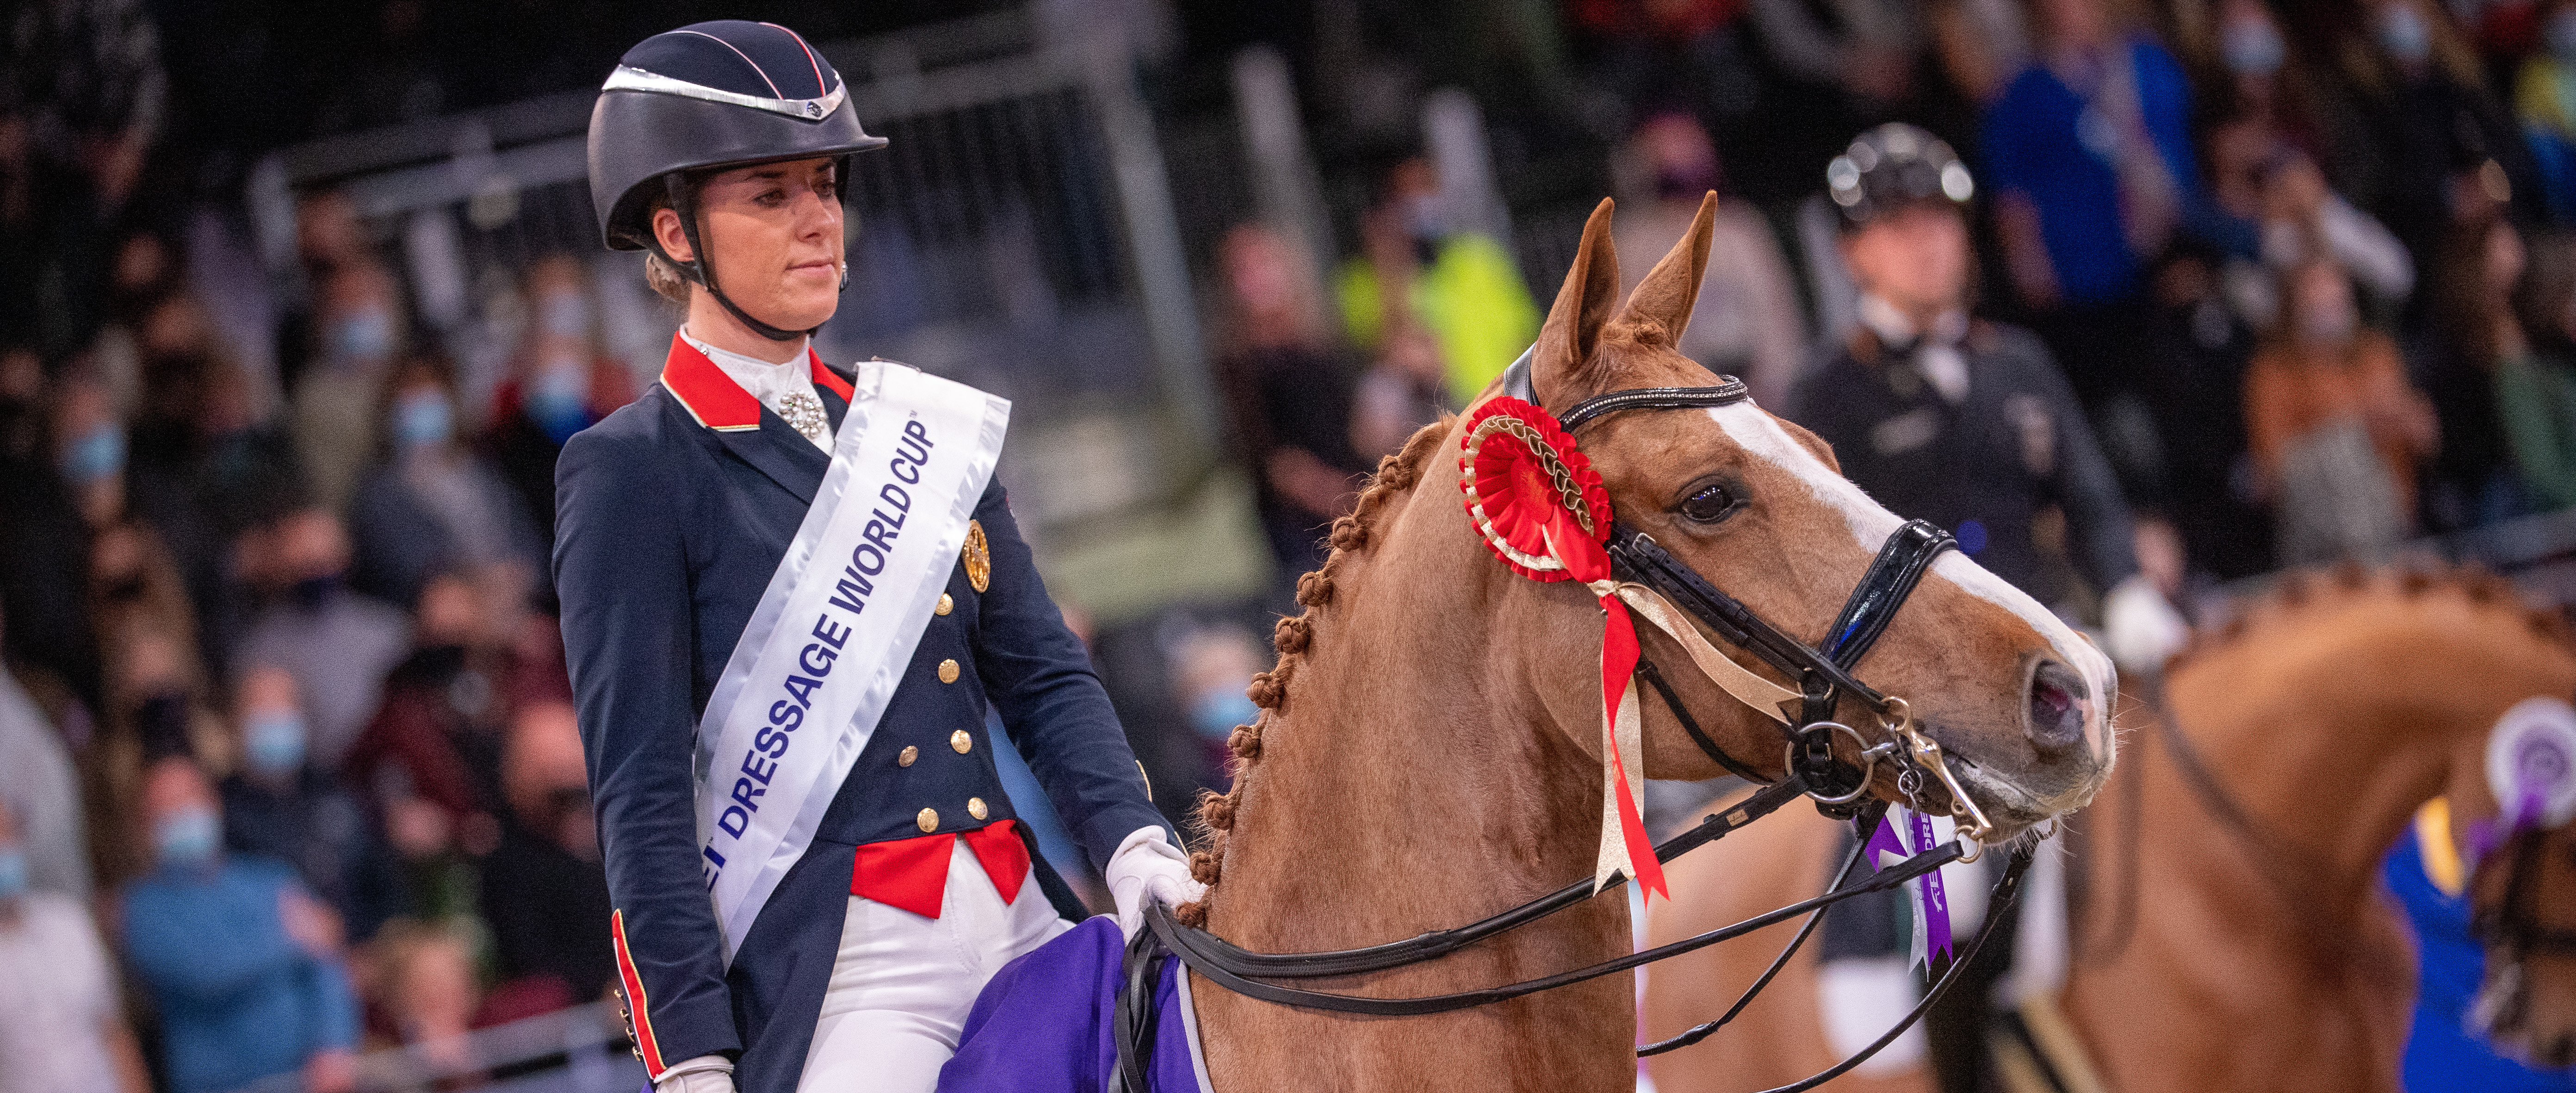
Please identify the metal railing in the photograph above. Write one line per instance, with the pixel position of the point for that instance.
(2538, 553)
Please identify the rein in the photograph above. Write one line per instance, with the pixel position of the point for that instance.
(2511, 923)
(1652, 582)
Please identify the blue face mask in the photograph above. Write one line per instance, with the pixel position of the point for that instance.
(423, 419)
(364, 336)
(2402, 33)
(1216, 714)
(273, 743)
(98, 455)
(187, 838)
(2252, 48)
(13, 872)
(559, 398)
(565, 315)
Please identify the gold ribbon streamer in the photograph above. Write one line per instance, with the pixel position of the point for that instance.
(1767, 698)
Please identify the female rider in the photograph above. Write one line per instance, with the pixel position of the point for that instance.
(846, 953)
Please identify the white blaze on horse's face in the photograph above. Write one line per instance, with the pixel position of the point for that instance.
(1761, 437)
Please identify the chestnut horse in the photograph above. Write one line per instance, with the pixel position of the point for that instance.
(1428, 751)
(2247, 952)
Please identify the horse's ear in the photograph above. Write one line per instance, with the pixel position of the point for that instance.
(1573, 327)
(1671, 289)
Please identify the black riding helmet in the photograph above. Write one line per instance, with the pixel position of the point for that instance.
(727, 93)
(1892, 167)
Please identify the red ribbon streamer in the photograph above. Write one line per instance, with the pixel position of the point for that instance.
(1518, 508)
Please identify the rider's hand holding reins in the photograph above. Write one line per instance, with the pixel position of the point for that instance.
(704, 1074)
(1148, 869)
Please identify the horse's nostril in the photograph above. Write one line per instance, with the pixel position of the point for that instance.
(2055, 720)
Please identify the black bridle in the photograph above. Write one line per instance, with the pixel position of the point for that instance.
(2510, 924)
(1823, 674)
(1824, 679)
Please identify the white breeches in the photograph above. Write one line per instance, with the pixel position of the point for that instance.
(903, 984)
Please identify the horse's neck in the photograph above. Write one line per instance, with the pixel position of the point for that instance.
(2333, 750)
(2327, 739)
(1406, 783)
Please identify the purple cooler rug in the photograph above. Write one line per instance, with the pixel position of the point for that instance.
(1043, 1024)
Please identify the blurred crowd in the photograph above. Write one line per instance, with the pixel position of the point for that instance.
(293, 767)
(2306, 265)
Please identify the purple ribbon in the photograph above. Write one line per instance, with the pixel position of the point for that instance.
(1932, 903)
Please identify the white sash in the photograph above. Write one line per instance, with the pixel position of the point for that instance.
(829, 642)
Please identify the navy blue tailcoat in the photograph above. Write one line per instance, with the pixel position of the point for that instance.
(672, 514)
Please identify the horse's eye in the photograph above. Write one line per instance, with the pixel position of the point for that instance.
(1709, 505)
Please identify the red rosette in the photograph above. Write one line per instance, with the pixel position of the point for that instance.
(1532, 494)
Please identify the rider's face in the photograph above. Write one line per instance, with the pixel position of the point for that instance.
(774, 233)
(1915, 258)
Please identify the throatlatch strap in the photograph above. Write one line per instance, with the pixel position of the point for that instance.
(1899, 566)
(1681, 712)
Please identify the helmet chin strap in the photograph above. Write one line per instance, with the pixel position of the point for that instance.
(699, 272)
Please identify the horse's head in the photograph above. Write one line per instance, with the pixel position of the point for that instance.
(1757, 507)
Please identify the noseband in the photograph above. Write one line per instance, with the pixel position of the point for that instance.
(1824, 675)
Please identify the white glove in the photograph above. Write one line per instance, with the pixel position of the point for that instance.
(1148, 869)
(2141, 629)
(704, 1074)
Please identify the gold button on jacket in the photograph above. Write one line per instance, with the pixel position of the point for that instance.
(948, 671)
(929, 820)
(975, 807)
(947, 604)
(906, 757)
(961, 741)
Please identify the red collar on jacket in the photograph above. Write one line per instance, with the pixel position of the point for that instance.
(714, 399)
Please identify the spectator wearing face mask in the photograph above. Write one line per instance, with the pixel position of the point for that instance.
(61, 1026)
(242, 963)
(278, 806)
(207, 461)
(336, 642)
(2420, 131)
(2279, 213)
(544, 889)
(1460, 284)
(1746, 322)
(69, 469)
(2335, 428)
(358, 337)
(434, 503)
(2544, 101)
(561, 381)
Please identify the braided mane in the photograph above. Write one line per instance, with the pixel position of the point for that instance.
(1396, 474)
(2317, 589)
